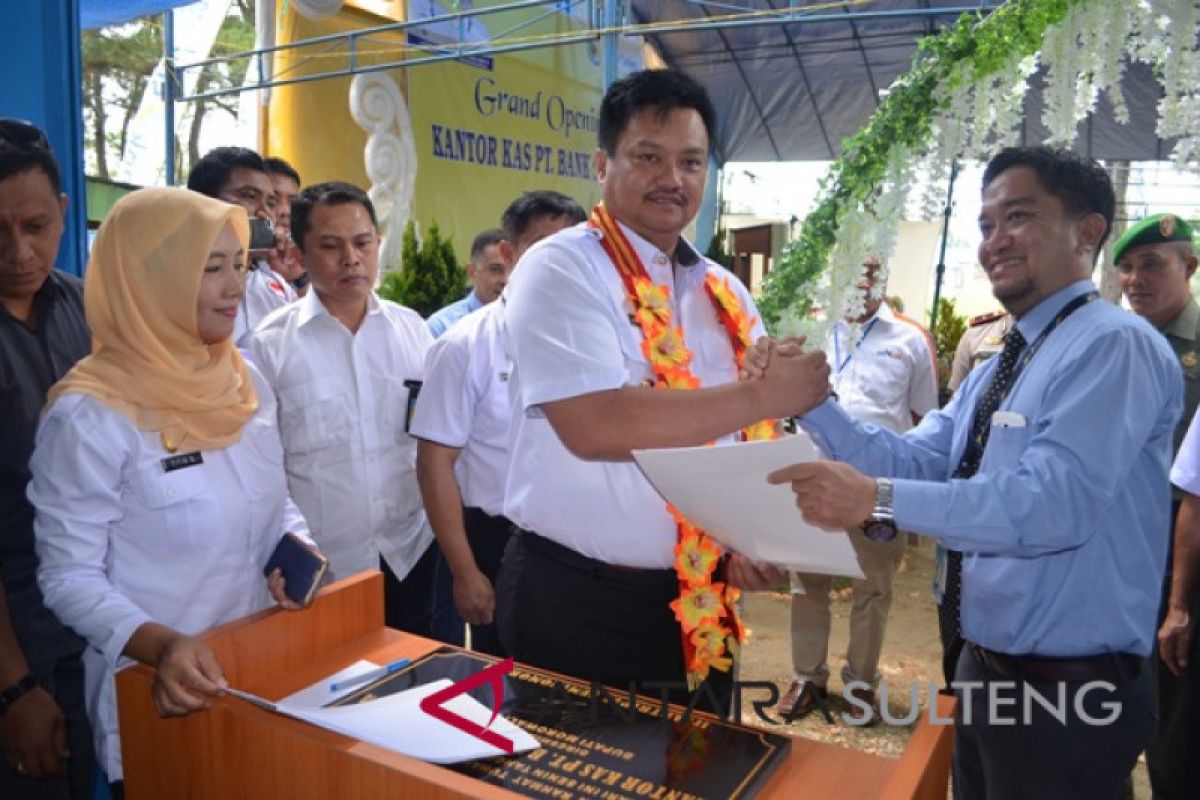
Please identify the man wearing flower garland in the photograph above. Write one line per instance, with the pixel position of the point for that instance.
(622, 337)
(1048, 471)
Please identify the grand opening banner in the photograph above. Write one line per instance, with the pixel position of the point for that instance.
(451, 142)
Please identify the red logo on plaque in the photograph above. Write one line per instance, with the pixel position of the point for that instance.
(435, 704)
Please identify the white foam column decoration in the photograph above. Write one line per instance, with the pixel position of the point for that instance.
(317, 9)
(390, 157)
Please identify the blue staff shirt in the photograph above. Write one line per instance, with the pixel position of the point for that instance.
(443, 318)
(1064, 528)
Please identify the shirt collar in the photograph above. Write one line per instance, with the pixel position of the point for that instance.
(311, 307)
(884, 312)
(685, 254)
(1185, 322)
(1032, 324)
(473, 301)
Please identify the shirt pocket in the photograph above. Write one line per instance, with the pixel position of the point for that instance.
(886, 377)
(1005, 446)
(169, 504)
(630, 338)
(312, 417)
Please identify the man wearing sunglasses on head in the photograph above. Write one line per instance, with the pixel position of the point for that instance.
(45, 741)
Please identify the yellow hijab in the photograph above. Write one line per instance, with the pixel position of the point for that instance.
(148, 362)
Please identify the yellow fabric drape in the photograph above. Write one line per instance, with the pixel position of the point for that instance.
(140, 292)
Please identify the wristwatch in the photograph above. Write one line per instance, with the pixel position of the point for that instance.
(881, 527)
(13, 693)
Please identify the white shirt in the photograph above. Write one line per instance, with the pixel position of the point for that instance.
(266, 291)
(1185, 472)
(121, 541)
(342, 406)
(889, 376)
(568, 329)
(464, 403)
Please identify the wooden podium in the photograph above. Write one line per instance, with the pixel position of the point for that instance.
(236, 749)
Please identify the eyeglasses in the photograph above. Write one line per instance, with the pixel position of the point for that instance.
(20, 133)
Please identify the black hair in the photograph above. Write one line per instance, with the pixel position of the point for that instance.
(1079, 183)
(661, 89)
(210, 174)
(541, 203)
(485, 239)
(275, 165)
(24, 146)
(330, 193)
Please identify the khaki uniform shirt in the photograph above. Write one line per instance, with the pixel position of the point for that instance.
(978, 344)
(1183, 333)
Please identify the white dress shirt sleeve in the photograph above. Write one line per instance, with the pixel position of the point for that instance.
(560, 331)
(76, 489)
(446, 403)
(1185, 472)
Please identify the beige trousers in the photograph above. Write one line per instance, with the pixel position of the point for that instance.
(868, 615)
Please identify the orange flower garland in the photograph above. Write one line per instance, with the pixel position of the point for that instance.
(712, 631)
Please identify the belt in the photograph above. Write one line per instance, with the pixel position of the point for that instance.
(1111, 667)
(576, 560)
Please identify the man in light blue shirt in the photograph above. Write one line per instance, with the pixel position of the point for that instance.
(1048, 470)
(491, 261)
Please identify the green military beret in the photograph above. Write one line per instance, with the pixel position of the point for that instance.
(1154, 229)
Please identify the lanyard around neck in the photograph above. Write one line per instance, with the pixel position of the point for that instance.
(1030, 351)
(842, 362)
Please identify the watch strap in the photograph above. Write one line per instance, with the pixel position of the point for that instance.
(13, 693)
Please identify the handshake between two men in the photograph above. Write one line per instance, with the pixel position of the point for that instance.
(829, 494)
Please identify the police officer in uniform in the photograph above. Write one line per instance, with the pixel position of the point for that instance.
(983, 338)
(1155, 260)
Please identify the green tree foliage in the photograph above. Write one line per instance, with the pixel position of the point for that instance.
(430, 277)
(119, 59)
(117, 63)
(949, 329)
(903, 118)
(716, 249)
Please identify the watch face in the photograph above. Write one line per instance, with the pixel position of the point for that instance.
(880, 530)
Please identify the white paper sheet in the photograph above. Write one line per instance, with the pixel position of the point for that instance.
(398, 723)
(724, 490)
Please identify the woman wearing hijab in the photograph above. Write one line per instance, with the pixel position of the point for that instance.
(158, 473)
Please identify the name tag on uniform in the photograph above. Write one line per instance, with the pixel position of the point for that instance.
(181, 461)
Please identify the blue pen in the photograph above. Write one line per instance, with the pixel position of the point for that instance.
(367, 677)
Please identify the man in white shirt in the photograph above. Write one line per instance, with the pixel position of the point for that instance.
(285, 260)
(491, 261)
(462, 420)
(883, 372)
(238, 175)
(587, 584)
(345, 366)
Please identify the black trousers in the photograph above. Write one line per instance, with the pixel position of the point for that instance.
(564, 612)
(408, 601)
(63, 680)
(1003, 753)
(488, 536)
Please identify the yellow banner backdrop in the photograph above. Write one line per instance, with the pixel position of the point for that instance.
(482, 129)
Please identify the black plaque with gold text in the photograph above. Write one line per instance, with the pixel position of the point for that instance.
(601, 743)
